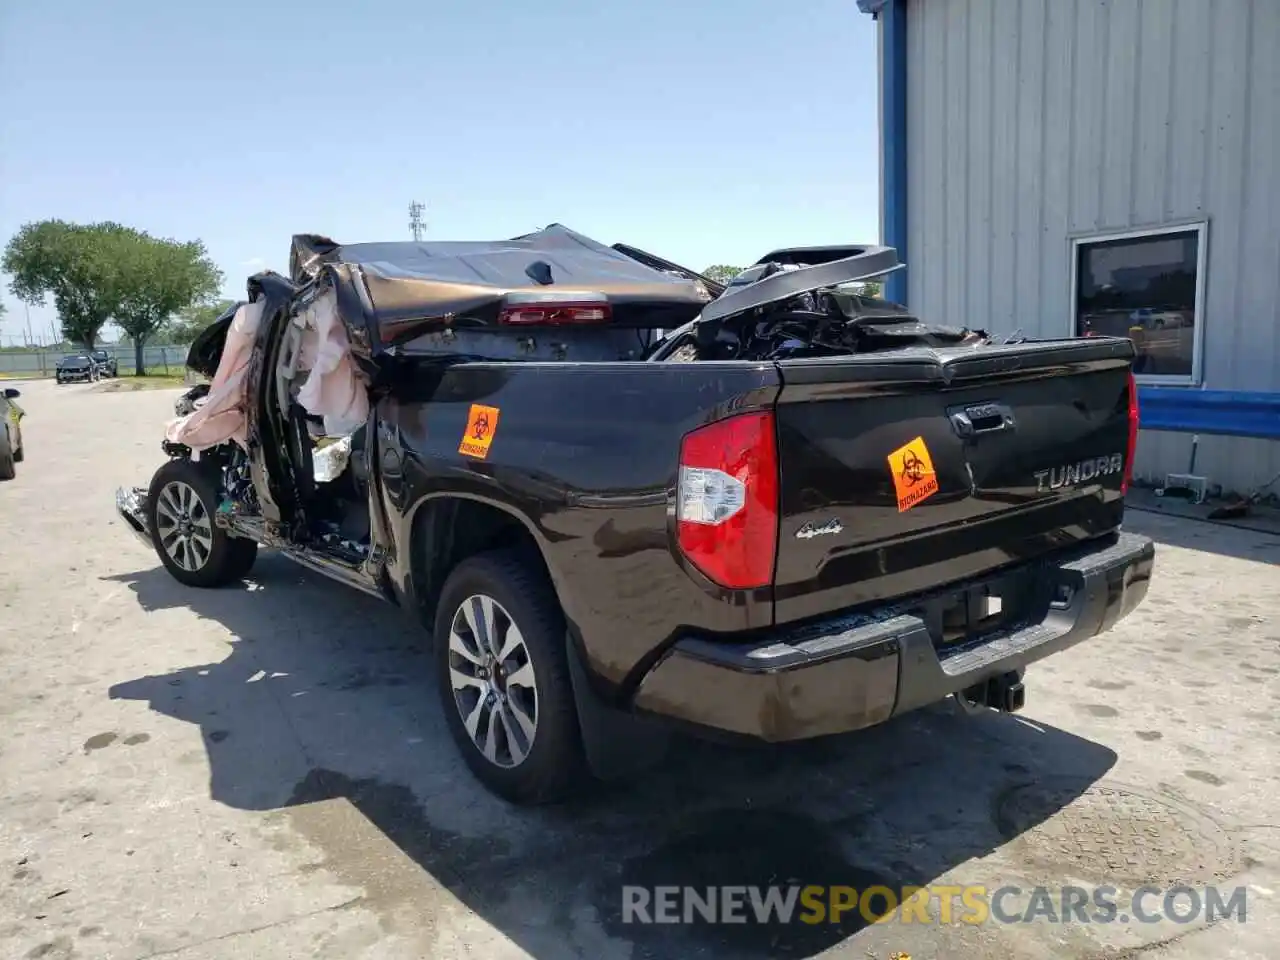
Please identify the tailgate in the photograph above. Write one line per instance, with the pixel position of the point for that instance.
(904, 472)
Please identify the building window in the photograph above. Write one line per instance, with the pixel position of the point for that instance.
(1148, 286)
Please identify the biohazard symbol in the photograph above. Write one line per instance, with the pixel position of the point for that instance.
(482, 424)
(914, 479)
(912, 468)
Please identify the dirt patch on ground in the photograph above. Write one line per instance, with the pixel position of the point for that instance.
(128, 384)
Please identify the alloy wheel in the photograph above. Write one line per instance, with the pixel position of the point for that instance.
(492, 677)
(184, 526)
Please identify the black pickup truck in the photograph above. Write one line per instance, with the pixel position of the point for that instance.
(108, 366)
(76, 366)
(799, 511)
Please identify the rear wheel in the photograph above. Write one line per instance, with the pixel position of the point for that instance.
(7, 457)
(503, 678)
(180, 509)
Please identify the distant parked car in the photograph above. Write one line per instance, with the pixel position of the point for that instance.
(107, 365)
(76, 366)
(11, 450)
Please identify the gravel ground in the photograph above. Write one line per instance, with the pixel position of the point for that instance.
(263, 772)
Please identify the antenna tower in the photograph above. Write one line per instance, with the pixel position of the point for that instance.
(416, 223)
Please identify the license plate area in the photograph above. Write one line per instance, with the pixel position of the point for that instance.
(977, 610)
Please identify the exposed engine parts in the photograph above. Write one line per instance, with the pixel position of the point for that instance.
(819, 324)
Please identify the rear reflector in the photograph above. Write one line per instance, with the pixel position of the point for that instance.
(727, 500)
(1133, 435)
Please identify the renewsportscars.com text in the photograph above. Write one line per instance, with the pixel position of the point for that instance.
(933, 904)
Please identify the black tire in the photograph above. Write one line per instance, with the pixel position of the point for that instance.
(7, 458)
(228, 558)
(554, 762)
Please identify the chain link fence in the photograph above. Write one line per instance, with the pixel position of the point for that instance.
(40, 361)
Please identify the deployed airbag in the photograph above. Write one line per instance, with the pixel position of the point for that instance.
(333, 389)
(222, 416)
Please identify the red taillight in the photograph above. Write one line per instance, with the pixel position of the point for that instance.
(1133, 436)
(727, 500)
(555, 314)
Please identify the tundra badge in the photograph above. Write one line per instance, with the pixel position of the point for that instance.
(1072, 474)
(811, 530)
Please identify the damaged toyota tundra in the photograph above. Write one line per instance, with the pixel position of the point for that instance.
(626, 500)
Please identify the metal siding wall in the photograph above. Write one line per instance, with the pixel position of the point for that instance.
(972, 178)
(955, 79)
(1033, 120)
(1028, 222)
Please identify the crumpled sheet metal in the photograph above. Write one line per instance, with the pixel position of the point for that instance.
(333, 388)
(406, 287)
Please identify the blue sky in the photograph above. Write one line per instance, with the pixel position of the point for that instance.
(708, 133)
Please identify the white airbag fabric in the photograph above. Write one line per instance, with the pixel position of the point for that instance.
(333, 388)
(329, 461)
(222, 417)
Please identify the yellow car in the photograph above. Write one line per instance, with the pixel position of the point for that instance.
(11, 436)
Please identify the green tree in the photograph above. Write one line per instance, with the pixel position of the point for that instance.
(159, 278)
(721, 273)
(191, 322)
(74, 264)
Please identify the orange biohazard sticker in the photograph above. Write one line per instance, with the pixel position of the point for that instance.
(482, 424)
(913, 476)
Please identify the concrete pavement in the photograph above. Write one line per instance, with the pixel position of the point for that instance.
(263, 771)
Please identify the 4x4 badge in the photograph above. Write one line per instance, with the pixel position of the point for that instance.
(811, 530)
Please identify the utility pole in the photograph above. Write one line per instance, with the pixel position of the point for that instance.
(416, 223)
(30, 338)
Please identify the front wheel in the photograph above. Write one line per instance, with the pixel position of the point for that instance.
(503, 676)
(180, 509)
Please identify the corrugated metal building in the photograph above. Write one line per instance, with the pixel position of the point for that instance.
(1074, 166)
